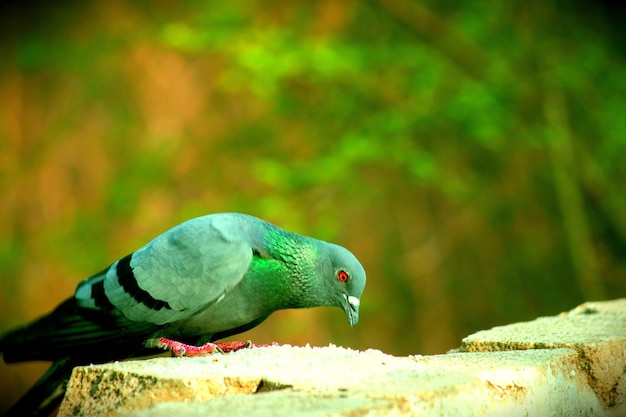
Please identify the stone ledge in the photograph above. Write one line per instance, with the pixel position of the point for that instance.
(596, 331)
(572, 364)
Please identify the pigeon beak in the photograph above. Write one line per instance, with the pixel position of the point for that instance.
(352, 309)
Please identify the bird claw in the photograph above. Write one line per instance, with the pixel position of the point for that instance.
(180, 349)
(238, 345)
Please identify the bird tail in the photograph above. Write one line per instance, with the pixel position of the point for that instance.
(69, 336)
(47, 392)
(43, 339)
(87, 336)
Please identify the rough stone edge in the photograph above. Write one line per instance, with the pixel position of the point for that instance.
(256, 385)
(142, 391)
(607, 379)
(513, 386)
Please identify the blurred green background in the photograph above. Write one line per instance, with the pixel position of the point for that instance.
(472, 155)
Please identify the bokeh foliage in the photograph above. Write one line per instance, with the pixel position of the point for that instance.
(471, 155)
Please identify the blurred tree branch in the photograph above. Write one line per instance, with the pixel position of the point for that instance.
(432, 29)
(570, 197)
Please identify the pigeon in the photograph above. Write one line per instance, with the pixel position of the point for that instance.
(206, 279)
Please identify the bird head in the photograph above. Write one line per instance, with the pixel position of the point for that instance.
(342, 280)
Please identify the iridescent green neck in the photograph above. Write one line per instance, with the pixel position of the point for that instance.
(282, 268)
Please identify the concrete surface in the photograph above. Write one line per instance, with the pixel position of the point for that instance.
(596, 331)
(568, 365)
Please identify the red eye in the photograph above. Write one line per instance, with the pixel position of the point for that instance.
(343, 276)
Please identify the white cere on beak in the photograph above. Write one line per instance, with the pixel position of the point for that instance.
(353, 301)
(353, 309)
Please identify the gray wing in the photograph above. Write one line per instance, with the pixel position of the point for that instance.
(174, 276)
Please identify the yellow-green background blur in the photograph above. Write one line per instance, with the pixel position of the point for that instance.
(472, 155)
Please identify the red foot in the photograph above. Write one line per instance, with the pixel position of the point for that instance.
(237, 345)
(182, 349)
